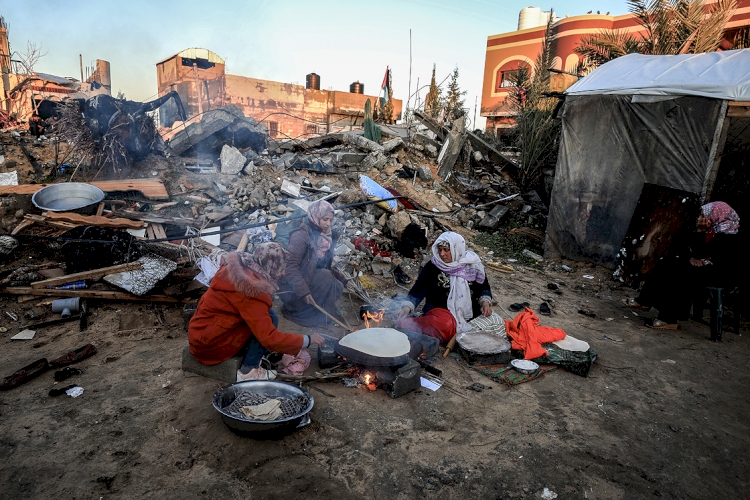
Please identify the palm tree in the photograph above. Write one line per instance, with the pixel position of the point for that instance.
(669, 27)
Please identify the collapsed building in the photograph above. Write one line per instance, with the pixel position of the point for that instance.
(199, 77)
(25, 91)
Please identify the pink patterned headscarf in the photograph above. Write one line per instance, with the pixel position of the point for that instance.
(723, 219)
(317, 210)
(267, 260)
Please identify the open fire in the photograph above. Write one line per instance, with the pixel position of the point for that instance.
(373, 320)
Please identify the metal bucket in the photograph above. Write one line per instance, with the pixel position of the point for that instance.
(67, 196)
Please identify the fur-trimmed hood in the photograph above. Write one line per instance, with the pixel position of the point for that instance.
(240, 278)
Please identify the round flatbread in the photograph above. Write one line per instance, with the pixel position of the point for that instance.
(377, 342)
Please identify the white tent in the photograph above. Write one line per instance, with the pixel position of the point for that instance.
(720, 75)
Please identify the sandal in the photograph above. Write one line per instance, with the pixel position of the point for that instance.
(74, 356)
(657, 324)
(631, 303)
(24, 374)
(518, 306)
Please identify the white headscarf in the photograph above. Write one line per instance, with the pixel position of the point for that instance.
(465, 266)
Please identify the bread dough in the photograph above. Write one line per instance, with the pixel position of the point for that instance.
(378, 342)
(572, 344)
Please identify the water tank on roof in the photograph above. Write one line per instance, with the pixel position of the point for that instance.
(312, 81)
(357, 88)
(529, 18)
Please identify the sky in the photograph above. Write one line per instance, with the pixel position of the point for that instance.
(342, 41)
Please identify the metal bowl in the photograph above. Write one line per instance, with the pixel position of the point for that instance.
(270, 388)
(67, 196)
(524, 366)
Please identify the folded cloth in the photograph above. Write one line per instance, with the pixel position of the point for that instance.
(528, 335)
(294, 365)
(270, 410)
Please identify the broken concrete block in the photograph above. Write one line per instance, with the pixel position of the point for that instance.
(432, 151)
(393, 144)
(397, 223)
(424, 173)
(499, 211)
(290, 188)
(382, 265)
(250, 155)
(374, 160)
(232, 160)
(226, 371)
(347, 158)
(359, 141)
(217, 127)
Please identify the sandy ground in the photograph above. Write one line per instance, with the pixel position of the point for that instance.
(662, 414)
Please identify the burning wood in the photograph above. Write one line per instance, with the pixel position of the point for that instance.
(376, 318)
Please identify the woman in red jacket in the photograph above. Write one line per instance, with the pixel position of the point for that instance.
(235, 314)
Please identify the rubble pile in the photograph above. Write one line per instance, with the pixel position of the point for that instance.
(221, 173)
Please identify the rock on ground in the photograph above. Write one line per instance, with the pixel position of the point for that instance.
(232, 160)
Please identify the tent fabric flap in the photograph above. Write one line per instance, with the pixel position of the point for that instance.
(610, 147)
(721, 75)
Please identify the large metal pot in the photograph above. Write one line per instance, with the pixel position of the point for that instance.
(67, 196)
(270, 388)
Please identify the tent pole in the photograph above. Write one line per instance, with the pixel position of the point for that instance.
(714, 157)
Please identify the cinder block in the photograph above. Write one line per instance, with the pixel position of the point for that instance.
(226, 371)
(407, 379)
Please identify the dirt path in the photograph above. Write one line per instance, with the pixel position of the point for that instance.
(662, 414)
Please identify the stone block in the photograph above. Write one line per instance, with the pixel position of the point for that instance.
(499, 211)
(397, 223)
(226, 371)
(347, 158)
(232, 161)
(393, 144)
(424, 173)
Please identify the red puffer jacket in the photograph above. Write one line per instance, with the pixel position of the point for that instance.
(236, 306)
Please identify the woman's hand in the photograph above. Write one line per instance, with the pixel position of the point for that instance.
(317, 339)
(308, 299)
(486, 309)
(403, 312)
(697, 263)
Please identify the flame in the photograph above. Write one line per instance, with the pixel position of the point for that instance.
(368, 378)
(376, 318)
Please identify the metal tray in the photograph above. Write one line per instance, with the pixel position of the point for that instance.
(226, 395)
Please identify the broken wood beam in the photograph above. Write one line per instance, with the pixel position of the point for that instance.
(86, 275)
(152, 189)
(93, 220)
(88, 294)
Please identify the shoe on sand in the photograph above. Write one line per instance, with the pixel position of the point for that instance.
(631, 303)
(658, 324)
(256, 374)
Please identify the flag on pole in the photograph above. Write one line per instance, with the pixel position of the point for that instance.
(385, 86)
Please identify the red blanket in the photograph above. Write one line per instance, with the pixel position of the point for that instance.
(528, 335)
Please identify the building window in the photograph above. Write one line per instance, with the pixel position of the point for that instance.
(312, 129)
(273, 129)
(506, 78)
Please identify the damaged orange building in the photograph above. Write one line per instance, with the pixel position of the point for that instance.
(288, 110)
(506, 52)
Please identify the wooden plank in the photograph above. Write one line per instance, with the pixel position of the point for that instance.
(739, 112)
(87, 294)
(100, 209)
(147, 217)
(44, 221)
(86, 275)
(93, 220)
(26, 222)
(159, 230)
(243, 242)
(150, 232)
(151, 189)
